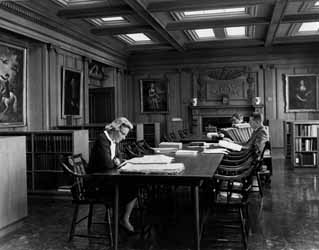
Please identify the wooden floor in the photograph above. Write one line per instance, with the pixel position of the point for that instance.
(288, 220)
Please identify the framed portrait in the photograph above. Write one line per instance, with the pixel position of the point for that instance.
(72, 92)
(301, 93)
(154, 95)
(12, 85)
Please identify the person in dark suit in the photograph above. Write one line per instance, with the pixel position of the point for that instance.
(105, 156)
(260, 135)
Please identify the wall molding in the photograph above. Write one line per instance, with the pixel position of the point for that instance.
(84, 43)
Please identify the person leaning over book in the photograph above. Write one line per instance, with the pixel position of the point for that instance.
(260, 135)
(105, 156)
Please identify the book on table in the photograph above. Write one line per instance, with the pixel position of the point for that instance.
(230, 145)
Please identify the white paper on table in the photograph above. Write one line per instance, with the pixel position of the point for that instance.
(165, 150)
(149, 159)
(186, 152)
(153, 168)
(215, 151)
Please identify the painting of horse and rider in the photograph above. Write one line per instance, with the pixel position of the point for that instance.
(12, 85)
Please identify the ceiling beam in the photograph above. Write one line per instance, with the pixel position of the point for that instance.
(296, 39)
(148, 17)
(182, 5)
(95, 12)
(225, 43)
(299, 18)
(277, 15)
(209, 23)
(109, 31)
(149, 47)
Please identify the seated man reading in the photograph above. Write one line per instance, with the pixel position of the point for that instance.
(260, 135)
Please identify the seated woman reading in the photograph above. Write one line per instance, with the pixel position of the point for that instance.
(105, 156)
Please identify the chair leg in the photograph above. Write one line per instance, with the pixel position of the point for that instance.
(109, 223)
(259, 185)
(91, 207)
(75, 216)
(243, 230)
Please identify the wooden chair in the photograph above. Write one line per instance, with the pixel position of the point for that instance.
(231, 186)
(75, 166)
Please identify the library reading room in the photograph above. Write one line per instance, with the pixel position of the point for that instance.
(159, 124)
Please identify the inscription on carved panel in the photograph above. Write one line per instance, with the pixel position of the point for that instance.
(235, 89)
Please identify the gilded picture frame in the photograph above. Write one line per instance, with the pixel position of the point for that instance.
(13, 70)
(301, 93)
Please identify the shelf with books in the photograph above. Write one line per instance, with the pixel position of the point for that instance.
(303, 143)
(43, 151)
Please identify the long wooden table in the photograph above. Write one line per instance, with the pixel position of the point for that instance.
(197, 169)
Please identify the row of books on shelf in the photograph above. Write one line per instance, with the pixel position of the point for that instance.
(305, 144)
(52, 143)
(306, 159)
(45, 162)
(307, 130)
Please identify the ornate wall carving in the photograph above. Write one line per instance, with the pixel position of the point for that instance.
(237, 84)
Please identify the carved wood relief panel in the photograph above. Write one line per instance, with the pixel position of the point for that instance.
(239, 85)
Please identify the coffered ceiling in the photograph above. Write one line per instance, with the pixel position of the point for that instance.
(182, 25)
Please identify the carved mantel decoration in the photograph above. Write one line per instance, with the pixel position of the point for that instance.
(238, 84)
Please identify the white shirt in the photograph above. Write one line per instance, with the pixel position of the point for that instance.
(113, 145)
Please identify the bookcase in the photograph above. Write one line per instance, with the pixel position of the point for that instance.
(141, 131)
(287, 139)
(301, 143)
(43, 149)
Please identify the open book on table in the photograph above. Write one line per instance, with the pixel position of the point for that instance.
(230, 145)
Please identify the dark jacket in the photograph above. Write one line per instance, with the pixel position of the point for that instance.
(100, 158)
(258, 139)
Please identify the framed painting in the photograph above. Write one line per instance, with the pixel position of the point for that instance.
(301, 93)
(12, 85)
(154, 95)
(72, 92)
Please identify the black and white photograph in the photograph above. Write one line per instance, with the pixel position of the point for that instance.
(159, 125)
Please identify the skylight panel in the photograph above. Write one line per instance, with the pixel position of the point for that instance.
(110, 19)
(214, 12)
(236, 31)
(309, 27)
(205, 33)
(138, 37)
(77, 2)
(116, 20)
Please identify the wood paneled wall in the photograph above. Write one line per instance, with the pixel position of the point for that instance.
(270, 87)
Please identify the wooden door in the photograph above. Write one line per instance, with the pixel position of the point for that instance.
(102, 105)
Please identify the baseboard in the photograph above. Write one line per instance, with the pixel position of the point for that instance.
(11, 227)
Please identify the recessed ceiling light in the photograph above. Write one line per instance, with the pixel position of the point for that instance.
(110, 19)
(309, 26)
(316, 3)
(205, 33)
(236, 31)
(214, 11)
(138, 37)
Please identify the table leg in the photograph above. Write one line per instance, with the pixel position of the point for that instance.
(116, 216)
(195, 194)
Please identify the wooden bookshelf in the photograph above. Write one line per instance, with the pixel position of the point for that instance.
(287, 139)
(43, 149)
(302, 143)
